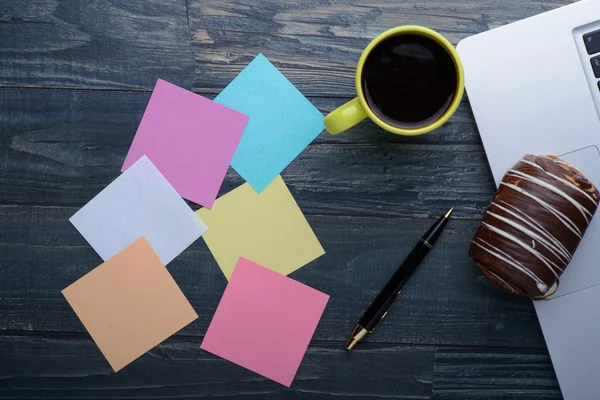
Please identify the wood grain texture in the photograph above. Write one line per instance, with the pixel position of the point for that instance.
(72, 367)
(317, 43)
(94, 44)
(127, 45)
(63, 147)
(447, 301)
(367, 194)
(493, 374)
(67, 366)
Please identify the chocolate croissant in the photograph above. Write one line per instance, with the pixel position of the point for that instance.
(533, 226)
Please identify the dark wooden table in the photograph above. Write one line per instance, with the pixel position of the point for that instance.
(75, 77)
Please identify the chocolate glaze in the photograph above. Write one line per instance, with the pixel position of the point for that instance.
(533, 226)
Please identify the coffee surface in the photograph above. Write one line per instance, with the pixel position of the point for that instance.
(409, 81)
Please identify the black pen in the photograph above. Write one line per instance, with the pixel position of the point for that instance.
(382, 303)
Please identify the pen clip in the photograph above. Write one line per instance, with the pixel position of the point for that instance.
(386, 311)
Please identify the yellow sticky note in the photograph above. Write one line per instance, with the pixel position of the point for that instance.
(267, 228)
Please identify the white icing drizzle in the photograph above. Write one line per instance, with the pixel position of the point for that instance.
(566, 182)
(529, 234)
(526, 232)
(547, 262)
(499, 254)
(535, 236)
(557, 160)
(561, 217)
(501, 280)
(540, 228)
(557, 245)
(584, 211)
(530, 163)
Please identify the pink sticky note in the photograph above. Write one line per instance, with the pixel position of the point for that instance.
(265, 321)
(190, 139)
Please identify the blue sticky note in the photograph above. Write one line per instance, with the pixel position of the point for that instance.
(282, 121)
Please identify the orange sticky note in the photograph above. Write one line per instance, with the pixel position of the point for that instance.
(129, 304)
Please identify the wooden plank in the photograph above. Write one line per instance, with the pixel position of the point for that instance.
(493, 374)
(317, 43)
(128, 44)
(63, 147)
(447, 301)
(69, 367)
(94, 44)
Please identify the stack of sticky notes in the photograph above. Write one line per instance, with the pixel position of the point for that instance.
(140, 222)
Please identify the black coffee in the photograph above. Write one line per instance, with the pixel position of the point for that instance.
(409, 80)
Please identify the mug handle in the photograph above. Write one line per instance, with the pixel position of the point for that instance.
(345, 117)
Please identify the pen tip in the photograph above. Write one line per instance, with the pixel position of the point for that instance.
(448, 213)
(351, 343)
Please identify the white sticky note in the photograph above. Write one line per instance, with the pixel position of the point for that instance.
(140, 202)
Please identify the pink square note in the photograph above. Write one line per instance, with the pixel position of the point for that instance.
(265, 321)
(190, 139)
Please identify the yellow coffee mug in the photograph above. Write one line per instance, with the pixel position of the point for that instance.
(351, 113)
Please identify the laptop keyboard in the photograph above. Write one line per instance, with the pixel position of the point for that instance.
(596, 66)
(592, 44)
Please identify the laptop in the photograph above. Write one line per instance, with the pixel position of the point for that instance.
(534, 87)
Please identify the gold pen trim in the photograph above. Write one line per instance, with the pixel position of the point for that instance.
(357, 334)
(426, 243)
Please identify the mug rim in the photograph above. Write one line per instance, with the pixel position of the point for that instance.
(460, 81)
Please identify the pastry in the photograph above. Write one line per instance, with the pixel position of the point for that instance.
(533, 226)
